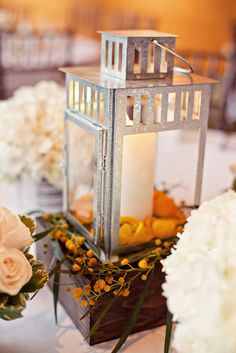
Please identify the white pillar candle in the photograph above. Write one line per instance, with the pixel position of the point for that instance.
(138, 174)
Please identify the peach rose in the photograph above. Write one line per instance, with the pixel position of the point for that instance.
(15, 270)
(13, 233)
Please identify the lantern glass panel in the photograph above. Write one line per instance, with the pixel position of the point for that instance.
(154, 161)
(80, 177)
(176, 164)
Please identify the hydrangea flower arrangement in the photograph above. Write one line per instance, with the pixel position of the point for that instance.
(31, 132)
(201, 279)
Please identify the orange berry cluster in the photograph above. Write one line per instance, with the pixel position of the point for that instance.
(115, 278)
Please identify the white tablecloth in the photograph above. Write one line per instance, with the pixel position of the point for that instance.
(37, 332)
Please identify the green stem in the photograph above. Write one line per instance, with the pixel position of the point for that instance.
(169, 326)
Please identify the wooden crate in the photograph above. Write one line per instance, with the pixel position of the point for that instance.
(152, 314)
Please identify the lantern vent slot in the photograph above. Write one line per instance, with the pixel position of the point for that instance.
(197, 105)
(106, 53)
(150, 58)
(70, 94)
(81, 98)
(137, 58)
(184, 106)
(76, 96)
(120, 63)
(100, 104)
(129, 110)
(157, 108)
(171, 106)
(88, 103)
(113, 55)
(164, 62)
(94, 104)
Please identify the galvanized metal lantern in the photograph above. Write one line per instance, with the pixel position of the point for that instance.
(121, 108)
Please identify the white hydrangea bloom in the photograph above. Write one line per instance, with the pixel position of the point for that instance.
(201, 279)
(31, 133)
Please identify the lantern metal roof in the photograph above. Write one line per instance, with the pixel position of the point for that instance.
(93, 75)
(139, 33)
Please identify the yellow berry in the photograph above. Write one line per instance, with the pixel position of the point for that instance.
(65, 226)
(76, 251)
(143, 264)
(100, 283)
(107, 288)
(96, 289)
(167, 244)
(125, 292)
(87, 289)
(90, 270)
(116, 292)
(84, 303)
(90, 253)
(79, 240)
(92, 262)
(109, 280)
(76, 267)
(70, 245)
(63, 238)
(121, 280)
(158, 241)
(68, 289)
(144, 277)
(91, 301)
(78, 292)
(124, 262)
(57, 234)
(158, 250)
(79, 259)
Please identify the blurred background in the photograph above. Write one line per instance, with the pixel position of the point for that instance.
(37, 37)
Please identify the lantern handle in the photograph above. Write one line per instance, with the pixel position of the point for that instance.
(190, 69)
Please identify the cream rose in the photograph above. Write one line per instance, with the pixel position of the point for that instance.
(15, 270)
(13, 233)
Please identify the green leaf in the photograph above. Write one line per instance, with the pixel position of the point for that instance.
(87, 312)
(29, 222)
(57, 268)
(42, 235)
(133, 317)
(57, 250)
(56, 288)
(100, 318)
(34, 212)
(11, 307)
(39, 277)
(3, 300)
(169, 325)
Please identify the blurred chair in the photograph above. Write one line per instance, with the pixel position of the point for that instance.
(213, 65)
(28, 58)
(206, 63)
(86, 19)
(123, 20)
